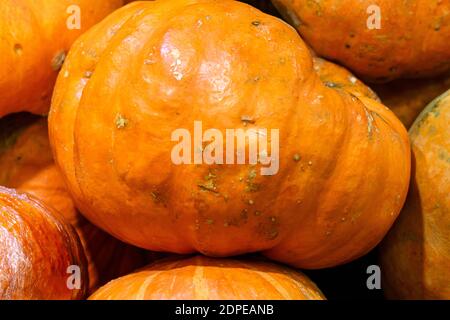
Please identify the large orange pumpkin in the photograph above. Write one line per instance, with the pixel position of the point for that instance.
(380, 40)
(37, 250)
(35, 36)
(26, 163)
(211, 279)
(408, 98)
(416, 253)
(153, 67)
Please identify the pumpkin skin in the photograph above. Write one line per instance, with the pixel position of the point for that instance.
(37, 247)
(410, 43)
(202, 278)
(34, 40)
(415, 256)
(408, 98)
(317, 211)
(27, 165)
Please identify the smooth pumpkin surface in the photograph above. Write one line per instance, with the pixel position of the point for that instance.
(148, 69)
(211, 279)
(415, 256)
(37, 247)
(411, 41)
(34, 41)
(408, 98)
(26, 163)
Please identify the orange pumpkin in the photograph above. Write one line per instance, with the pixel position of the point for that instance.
(415, 256)
(26, 164)
(35, 36)
(408, 98)
(211, 279)
(153, 67)
(37, 248)
(379, 40)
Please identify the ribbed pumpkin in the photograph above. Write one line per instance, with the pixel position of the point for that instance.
(153, 67)
(26, 163)
(37, 247)
(416, 253)
(379, 40)
(35, 36)
(408, 98)
(202, 278)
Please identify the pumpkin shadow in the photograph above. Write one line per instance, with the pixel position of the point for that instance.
(265, 6)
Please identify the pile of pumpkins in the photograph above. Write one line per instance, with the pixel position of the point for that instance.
(92, 206)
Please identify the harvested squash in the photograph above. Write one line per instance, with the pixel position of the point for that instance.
(379, 40)
(148, 70)
(211, 279)
(35, 36)
(38, 249)
(415, 256)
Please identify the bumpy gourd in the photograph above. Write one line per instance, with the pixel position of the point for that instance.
(151, 68)
(379, 40)
(415, 256)
(35, 36)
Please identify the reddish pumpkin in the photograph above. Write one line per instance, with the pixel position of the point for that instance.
(211, 279)
(34, 40)
(408, 98)
(26, 163)
(37, 247)
(415, 255)
(379, 40)
(148, 69)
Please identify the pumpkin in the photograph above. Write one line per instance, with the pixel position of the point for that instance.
(408, 98)
(415, 256)
(37, 250)
(35, 36)
(205, 278)
(379, 40)
(26, 163)
(344, 158)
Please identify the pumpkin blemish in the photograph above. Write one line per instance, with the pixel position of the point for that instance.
(18, 49)
(121, 121)
(58, 61)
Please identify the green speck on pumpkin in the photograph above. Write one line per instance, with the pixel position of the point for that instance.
(121, 121)
(210, 176)
(208, 186)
